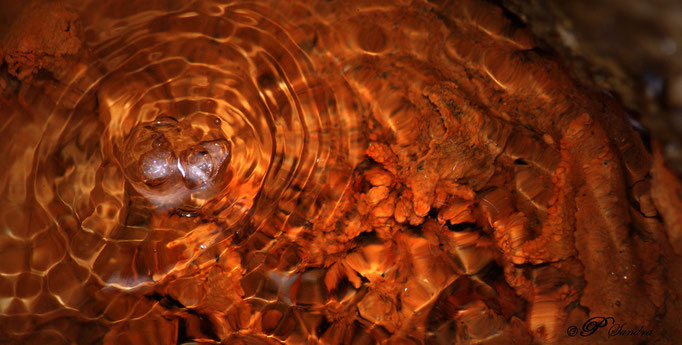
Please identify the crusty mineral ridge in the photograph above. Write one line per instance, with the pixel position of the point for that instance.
(43, 36)
(632, 48)
(498, 201)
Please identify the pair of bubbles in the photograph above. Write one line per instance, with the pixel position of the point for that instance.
(167, 160)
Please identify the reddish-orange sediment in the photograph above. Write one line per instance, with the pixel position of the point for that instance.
(44, 35)
(494, 201)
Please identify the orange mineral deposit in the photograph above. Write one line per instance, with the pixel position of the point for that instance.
(319, 172)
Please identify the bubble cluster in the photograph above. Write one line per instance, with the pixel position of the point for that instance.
(167, 155)
(184, 130)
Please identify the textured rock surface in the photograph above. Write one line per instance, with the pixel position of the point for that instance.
(43, 35)
(324, 172)
(633, 48)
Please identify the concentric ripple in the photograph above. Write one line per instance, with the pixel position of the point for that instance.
(188, 127)
(212, 114)
(332, 172)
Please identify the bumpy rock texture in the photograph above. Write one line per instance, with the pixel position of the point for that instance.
(632, 48)
(365, 172)
(43, 35)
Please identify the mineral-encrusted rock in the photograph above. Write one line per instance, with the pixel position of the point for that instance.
(44, 36)
(630, 47)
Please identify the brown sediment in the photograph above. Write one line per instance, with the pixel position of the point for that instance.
(666, 194)
(356, 173)
(43, 36)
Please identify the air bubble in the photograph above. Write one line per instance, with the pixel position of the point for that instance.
(157, 166)
(220, 151)
(165, 120)
(196, 166)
